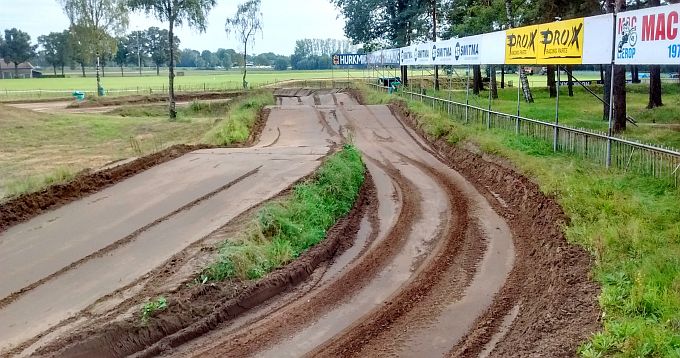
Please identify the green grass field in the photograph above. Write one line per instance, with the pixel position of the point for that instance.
(629, 223)
(39, 149)
(659, 126)
(193, 80)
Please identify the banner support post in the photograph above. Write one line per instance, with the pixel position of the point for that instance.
(608, 160)
(519, 96)
(450, 90)
(488, 117)
(467, 96)
(557, 112)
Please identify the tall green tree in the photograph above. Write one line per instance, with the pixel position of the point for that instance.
(17, 48)
(56, 49)
(159, 46)
(224, 57)
(93, 25)
(245, 24)
(2, 53)
(175, 12)
(122, 55)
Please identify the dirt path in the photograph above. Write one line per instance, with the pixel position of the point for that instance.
(416, 281)
(61, 262)
(466, 262)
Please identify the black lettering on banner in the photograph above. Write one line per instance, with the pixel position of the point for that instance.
(561, 38)
(520, 44)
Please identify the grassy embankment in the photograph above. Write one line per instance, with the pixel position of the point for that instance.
(40, 149)
(629, 223)
(284, 229)
(659, 126)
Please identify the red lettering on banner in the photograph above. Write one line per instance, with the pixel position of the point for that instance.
(672, 21)
(648, 27)
(660, 27)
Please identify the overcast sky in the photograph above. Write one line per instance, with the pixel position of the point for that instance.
(284, 22)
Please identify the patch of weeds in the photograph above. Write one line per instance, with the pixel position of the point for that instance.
(152, 308)
(240, 119)
(285, 229)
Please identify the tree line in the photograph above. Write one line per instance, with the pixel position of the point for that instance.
(398, 23)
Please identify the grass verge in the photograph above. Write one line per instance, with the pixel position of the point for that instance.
(240, 120)
(283, 230)
(629, 223)
(658, 126)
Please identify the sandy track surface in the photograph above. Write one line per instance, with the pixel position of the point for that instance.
(61, 262)
(434, 240)
(442, 264)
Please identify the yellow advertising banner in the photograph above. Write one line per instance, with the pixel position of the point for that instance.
(560, 43)
(521, 45)
(555, 43)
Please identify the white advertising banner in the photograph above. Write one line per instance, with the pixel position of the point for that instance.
(424, 54)
(408, 55)
(492, 48)
(391, 57)
(648, 36)
(597, 39)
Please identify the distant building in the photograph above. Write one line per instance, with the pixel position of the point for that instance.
(25, 70)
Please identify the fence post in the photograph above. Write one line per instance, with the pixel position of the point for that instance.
(467, 96)
(557, 113)
(488, 117)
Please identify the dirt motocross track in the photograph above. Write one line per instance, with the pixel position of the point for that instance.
(446, 254)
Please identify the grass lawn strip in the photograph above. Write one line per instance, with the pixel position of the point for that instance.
(629, 223)
(283, 230)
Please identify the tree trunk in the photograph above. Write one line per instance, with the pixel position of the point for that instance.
(620, 113)
(526, 90)
(122, 74)
(494, 82)
(16, 70)
(404, 75)
(551, 81)
(171, 71)
(62, 70)
(654, 77)
(54, 67)
(654, 87)
(477, 83)
(245, 64)
(158, 70)
(570, 80)
(607, 92)
(502, 76)
(82, 68)
(635, 74)
(103, 71)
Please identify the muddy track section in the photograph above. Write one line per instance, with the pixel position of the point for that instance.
(144, 216)
(449, 253)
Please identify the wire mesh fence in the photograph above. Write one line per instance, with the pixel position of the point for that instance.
(598, 147)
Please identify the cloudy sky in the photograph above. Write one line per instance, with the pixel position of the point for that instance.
(284, 22)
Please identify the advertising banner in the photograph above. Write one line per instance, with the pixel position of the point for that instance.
(391, 57)
(560, 43)
(492, 50)
(648, 36)
(520, 45)
(597, 41)
(349, 59)
(408, 55)
(423, 55)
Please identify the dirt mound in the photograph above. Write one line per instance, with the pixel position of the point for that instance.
(551, 281)
(120, 101)
(27, 206)
(195, 311)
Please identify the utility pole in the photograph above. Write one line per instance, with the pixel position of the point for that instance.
(139, 55)
(99, 84)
